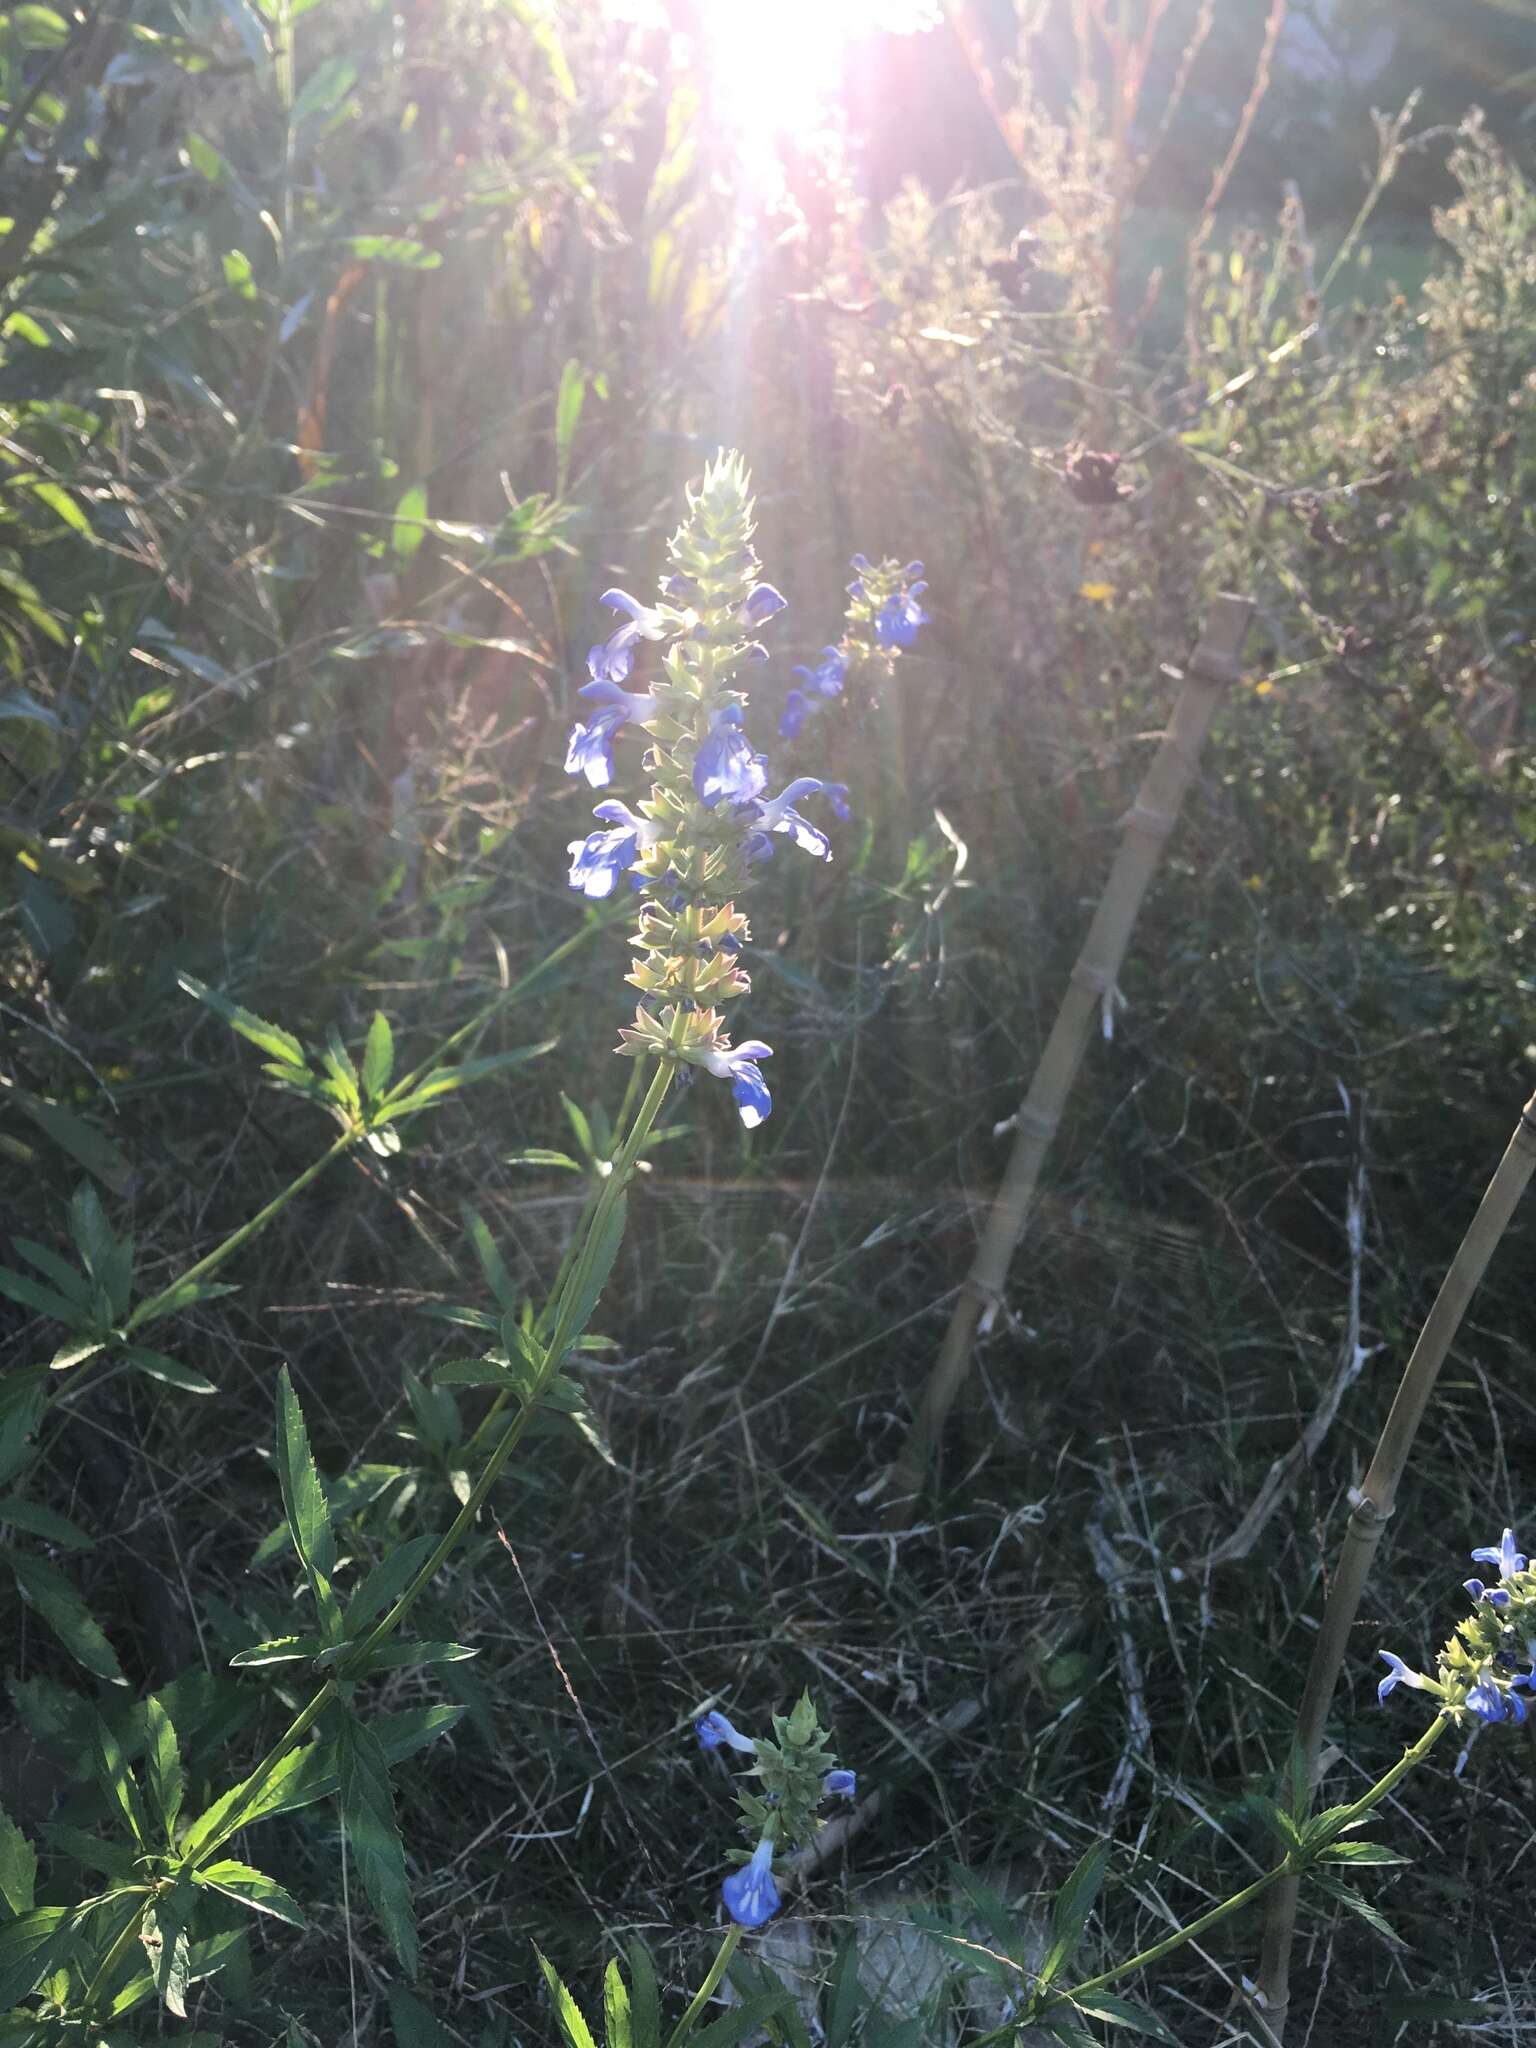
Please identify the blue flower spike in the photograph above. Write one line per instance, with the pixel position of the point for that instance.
(705, 822)
(750, 1894)
(716, 1732)
(898, 620)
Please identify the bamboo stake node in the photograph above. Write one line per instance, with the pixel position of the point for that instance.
(1086, 975)
(1037, 1122)
(1149, 823)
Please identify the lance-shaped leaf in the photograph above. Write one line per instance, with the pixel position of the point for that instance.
(18, 1867)
(378, 1057)
(1070, 1910)
(45, 1587)
(573, 2024)
(307, 1775)
(281, 1650)
(168, 1945)
(162, 1766)
(279, 1044)
(29, 1945)
(304, 1503)
(368, 1811)
(252, 1888)
(116, 1780)
(1115, 2011)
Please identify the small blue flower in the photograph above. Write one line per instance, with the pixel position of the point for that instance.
(797, 708)
(739, 1065)
(726, 764)
(840, 1784)
(1478, 1591)
(763, 602)
(590, 751)
(898, 619)
(598, 860)
(750, 1894)
(827, 677)
(778, 815)
(1399, 1674)
(611, 660)
(713, 1730)
(1486, 1701)
(1506, 1557)
(836, 794)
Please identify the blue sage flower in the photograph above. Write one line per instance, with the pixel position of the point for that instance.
(826, 679)
(898, 619)
(726, 764)
(797, 708)
(612, 659)
(590, 750)
(598, 860)
(763, 602)
(1399, 1674)
(1508, 1559)
(738, 1064)
(1489, 1702)
(840, 1784)
(1497, 1597)
(777, 814)
(713, 1730)
(750, 1894)
(836, 794)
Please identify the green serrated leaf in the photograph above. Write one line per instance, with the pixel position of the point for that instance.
(378, 1057)
(280, 1650)
(18, 1867)
(162, 1764)
(368, 1812)
(1071, 1907)
(34, 1295)
(618, 2032)
(23, 1396)
(37, 1520)
(45, 1587)
(116, 1780)
(156, 1366)
(497, 1278)
(1115, 2011)
(414, 2025)
(304, 1503)
(251, 1888)
(644, 1996)
(279, 1044)
(592, 1277)
(29, 1945)
(571, 2020)
(1360, 1852)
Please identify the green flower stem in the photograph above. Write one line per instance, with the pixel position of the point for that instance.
(251, 1787)
(1347, 1817)
(483, 1427)
(613, 1187)
(148, 1309)
(112, 1961)
(560, 1337)
(708, 1988)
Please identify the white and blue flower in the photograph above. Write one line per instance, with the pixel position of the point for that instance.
(750, 1894)
(612, 659)
(727, 765)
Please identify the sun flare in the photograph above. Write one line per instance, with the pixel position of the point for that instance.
(777, 70)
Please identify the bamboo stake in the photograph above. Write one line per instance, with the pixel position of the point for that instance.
(1213, 666)
(1371, 1506)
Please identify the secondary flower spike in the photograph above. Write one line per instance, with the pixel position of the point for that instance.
(690, 848)
(1478, 1680)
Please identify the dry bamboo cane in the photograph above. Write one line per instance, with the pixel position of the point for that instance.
(1371, 1505)
(1212, 668)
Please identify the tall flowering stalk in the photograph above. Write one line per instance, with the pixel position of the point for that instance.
(707, 821)
(883, 619)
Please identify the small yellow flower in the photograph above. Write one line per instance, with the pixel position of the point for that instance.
(1098, 593)
(1254, 882)
(1263, 687)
